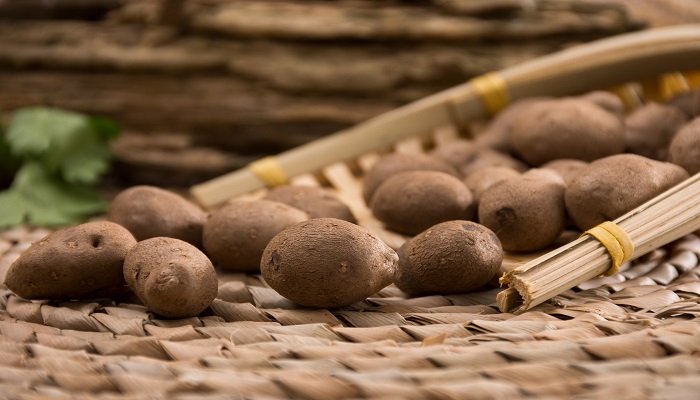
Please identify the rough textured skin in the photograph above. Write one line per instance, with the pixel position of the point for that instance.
(609, 187)
(526, 213)
(171, 277)
(566, 168)
(315, 201)
(651, 128)
(457, 152)
(492, 158)
(148, 211)
(235, 235)
(567, 128)
(452, 257)
(394, 163)
(605, 100)
(80, 262)
(481, 179)
(411, 202)
(685, 147)
(327, 263)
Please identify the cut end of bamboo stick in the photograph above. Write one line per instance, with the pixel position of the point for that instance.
(509, 300)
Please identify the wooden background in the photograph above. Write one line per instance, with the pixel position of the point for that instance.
(206, 88)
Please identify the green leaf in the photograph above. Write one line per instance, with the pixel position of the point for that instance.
(81, 160)
(36, 131)
(39, 198)
(105, 127)
(12, 209)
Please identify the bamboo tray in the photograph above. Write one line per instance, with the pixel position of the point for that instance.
(635, 334)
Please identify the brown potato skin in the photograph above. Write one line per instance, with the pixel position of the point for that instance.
(685, 147)
(605, 100)
(235, 235)
(527, 213)
(171, 277)
(481, 179)
(567, 128)
(497, 134)
(394, 163)
(75, 263)
(492, 158)
(327, 263)
(651, 128)
(609, 187)
(315, 201)
(457, 152)
(451, 257)
(566, 168)
(149, 211)
(411, 202)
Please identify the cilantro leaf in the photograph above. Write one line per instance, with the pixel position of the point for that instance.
(104, 127)
(38, 198)
(82, 159)
(36, 131)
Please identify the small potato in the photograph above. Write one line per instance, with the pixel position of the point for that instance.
(171, 277)
(612, 186)
(327, 263)
(451, 257)
(605, 100)
(527, 213)
(80, 262)
(149, 211)
(688, 102)
(236, 234)
(315, 201)
(566, 168)
(651, 128)
(394, 163)
(411, 202)
(481, 179)
(567, 128)
(492, 158)
(456, 152)
(685, 147)
(497, 134)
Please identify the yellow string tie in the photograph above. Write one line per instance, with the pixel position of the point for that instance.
(269, 171)
(493, 91)
(616, 241)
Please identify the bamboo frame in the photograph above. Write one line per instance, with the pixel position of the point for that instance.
(595, 65)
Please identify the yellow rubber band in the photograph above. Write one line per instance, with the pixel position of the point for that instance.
(269, 171)
(616, 241)
(693, 78)
(493, 91)
(673, 84)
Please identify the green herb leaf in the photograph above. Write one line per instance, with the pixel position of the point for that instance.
(39, 198)
(38, 130)
(105, 127)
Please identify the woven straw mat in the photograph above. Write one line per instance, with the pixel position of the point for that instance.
(634, 335)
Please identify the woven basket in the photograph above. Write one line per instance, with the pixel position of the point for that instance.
(635, 334)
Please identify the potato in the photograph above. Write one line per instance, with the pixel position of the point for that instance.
(456, 152)
(411, 202)
(148, 211)
(497, 134)
(327, 263)
(651, 128)
(492, 158)
(80, 262)
(315, 201)
(605, 100)
(451, 257)
(481, 179)
(611, 186)
(688, 102)
(527, 213)
(235, 235)
(394, 163)
(566, 168)
(171, 277)
(566, 128)
(685, 147)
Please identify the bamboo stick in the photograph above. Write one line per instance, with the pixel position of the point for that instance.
(667, 217)
(595, 65)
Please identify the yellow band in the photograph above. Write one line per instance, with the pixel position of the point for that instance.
(493, 91)
(616, 241)
(269, 171)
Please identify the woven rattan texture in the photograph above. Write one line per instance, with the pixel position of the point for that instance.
(632, 335)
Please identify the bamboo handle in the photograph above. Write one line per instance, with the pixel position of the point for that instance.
(595, 65)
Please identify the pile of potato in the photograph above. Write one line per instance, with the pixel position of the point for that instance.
(543, 165)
